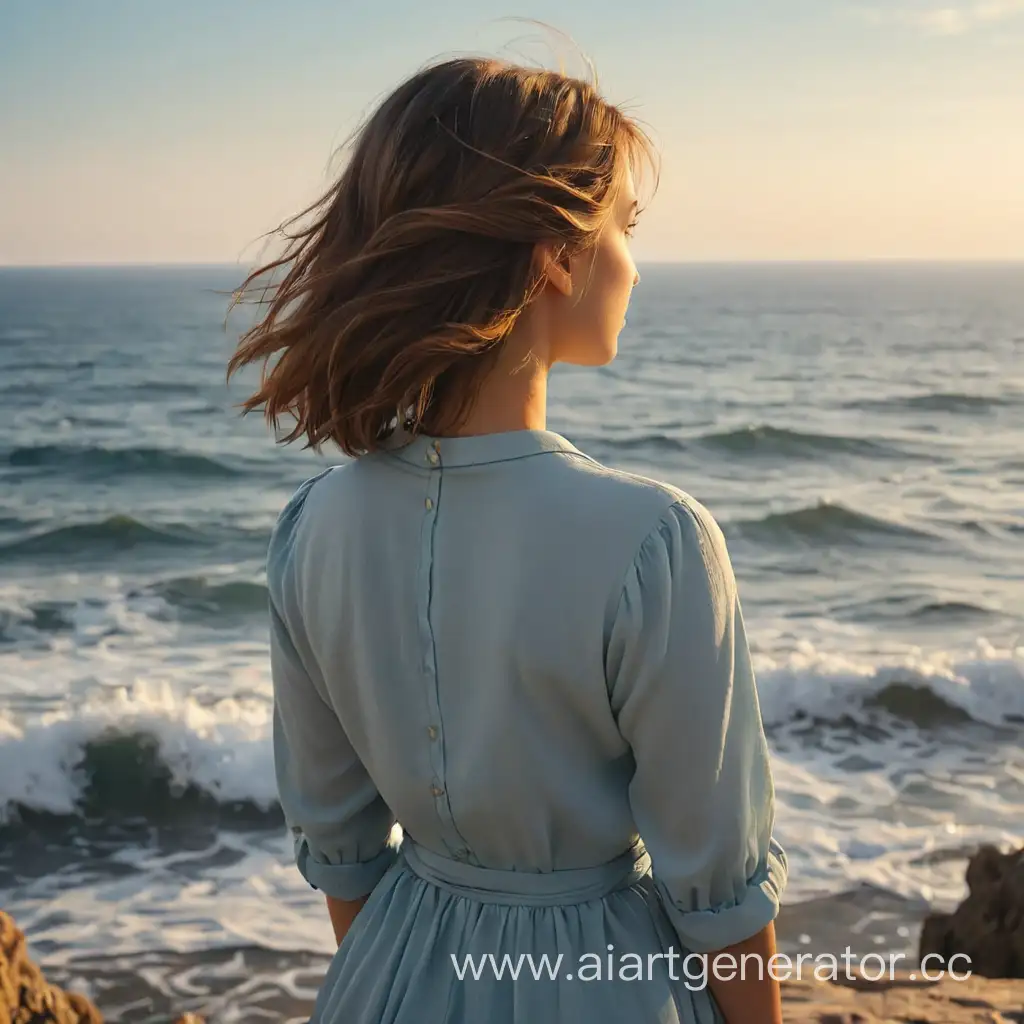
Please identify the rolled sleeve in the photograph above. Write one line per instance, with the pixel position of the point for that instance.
(754, 908)
(684, 694)
(343, 881)
(340, 823)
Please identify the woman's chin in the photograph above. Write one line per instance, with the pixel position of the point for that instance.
(592, 355)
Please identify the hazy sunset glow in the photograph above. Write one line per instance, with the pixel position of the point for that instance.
(791, 130)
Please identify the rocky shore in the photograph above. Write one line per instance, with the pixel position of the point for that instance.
(987, 929)
(27, 998)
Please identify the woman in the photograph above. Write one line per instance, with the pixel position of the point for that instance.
(533, 663)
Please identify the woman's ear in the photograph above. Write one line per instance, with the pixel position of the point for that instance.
(555, 265)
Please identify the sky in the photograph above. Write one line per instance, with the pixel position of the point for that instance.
(133, 131)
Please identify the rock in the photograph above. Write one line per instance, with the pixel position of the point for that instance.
(935, 934)
(25, 996)
(988, 927)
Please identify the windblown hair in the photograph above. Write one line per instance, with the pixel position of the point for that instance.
(419, 260)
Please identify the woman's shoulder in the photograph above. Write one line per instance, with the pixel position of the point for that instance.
(290, 522)
(643, 528)
(681, 509)
(296, 502)
(647, 505)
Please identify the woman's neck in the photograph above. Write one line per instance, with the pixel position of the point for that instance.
(515, 394)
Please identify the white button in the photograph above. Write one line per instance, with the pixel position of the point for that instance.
(432, 731)
(432, 457)
(429, 503)
(436, 790)
(462, 853)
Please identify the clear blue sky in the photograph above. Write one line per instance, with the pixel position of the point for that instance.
(135, 131)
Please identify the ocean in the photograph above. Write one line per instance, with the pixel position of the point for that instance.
(858, 431)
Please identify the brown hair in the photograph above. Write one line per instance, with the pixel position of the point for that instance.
(420, 258)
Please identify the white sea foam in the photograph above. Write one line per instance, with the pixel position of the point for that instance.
(222, 746)
(987, 684)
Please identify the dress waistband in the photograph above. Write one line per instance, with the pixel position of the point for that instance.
(527, 888)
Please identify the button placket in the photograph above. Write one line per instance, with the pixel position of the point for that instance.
(434, 726)
(436, 782)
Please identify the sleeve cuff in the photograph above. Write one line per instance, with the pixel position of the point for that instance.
(707, 931)
(350, 881)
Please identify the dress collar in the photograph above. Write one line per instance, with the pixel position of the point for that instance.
(476, 449)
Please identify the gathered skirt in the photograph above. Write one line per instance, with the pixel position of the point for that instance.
(444, 942)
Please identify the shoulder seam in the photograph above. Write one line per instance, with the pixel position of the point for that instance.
(669, 490)
(297, 502)
(662, 516)
(582, 455)
(288, 517)
(677, 494)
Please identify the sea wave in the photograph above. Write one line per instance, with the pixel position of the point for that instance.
(939, 401)
(39, 617)
(152, 751)
(90, 459)
(943, 610)
(144, 751)
(827, 521)
(763, 439)
(13, 335)
(650, 444)
(205, 595)
(754, 440)
(29, 618)
(916, 691)
(916, 604)
(115, 533)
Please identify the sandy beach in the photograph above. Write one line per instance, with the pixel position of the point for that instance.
(974, 1001)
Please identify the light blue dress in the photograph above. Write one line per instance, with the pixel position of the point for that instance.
(537, 666)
